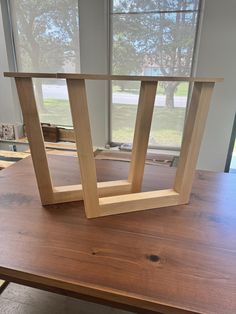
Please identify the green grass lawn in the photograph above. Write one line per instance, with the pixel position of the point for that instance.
(57, 112)
(167, 124)
(133, 88)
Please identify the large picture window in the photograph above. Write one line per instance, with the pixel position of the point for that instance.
(152, 37)
(46, 38)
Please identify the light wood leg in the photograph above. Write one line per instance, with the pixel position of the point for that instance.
(138, 201)
(192, 136)
(122, 195)
(35, 137)
(141, 134)
(81, 123)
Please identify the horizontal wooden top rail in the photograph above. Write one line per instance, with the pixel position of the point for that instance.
(113, 77)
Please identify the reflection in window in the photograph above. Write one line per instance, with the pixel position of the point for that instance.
(152, 37)
(46, 37)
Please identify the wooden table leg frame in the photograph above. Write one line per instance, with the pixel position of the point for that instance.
(114, 197)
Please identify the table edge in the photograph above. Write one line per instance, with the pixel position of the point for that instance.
(94, 291)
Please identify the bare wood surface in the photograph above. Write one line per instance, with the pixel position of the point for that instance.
(113, 77)
(178, 259)
(70, 193)
(80, 116)
(141, 133)
(66, 135)
(12, 154)
(34, 132)
(28, 75)
(192, 136)
(138, 201)
(5, 164)
(83, 138)
(8, 158)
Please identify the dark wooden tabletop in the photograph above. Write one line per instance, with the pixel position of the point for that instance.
(180, 259)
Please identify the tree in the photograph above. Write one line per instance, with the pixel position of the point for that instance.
(125, 58)
(160, 36)
(46, 34)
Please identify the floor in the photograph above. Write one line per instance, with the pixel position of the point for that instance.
(17, 299)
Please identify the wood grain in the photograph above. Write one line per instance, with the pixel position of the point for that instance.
(178, 259)
(83, 139)
(193, 132)
(141, 133)
(70, 193)
(34, 133)
(137, 201)
(192, 137)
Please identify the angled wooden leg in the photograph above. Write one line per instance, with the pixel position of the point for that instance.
(192, 136)
(80, 118)
(34, 133)
(141, 133)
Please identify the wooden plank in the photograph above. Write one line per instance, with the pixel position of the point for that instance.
(35, 137)
(192, 136)
(7, 153)
(113, 77)
(8, 158)
(179, 258)
(138, 201)
(28, 75)
(66, 135)
(62, 152)
(5, 164)
(81, 123)
(71, 193)
(141, 133)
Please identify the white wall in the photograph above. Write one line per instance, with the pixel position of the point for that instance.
(217, 57)
(9, 112)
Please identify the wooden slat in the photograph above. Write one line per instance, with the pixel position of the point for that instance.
(66, 135)
(138, 201)
(141, 133)
(7, 153)
(5, 164)
(35, 136)
(113, 77)
(32, 75)
(192, 136)
(80, 118)
(71, 193)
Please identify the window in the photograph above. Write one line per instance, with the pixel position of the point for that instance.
(46, 38)
(152, 37)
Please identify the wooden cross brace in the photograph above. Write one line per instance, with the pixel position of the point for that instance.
(114, 197)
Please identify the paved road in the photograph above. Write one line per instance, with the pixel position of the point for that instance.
(131, 99)
(60, 92)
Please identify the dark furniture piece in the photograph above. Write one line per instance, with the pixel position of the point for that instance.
(179, 259)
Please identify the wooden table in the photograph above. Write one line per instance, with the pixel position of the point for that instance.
(179, 259)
